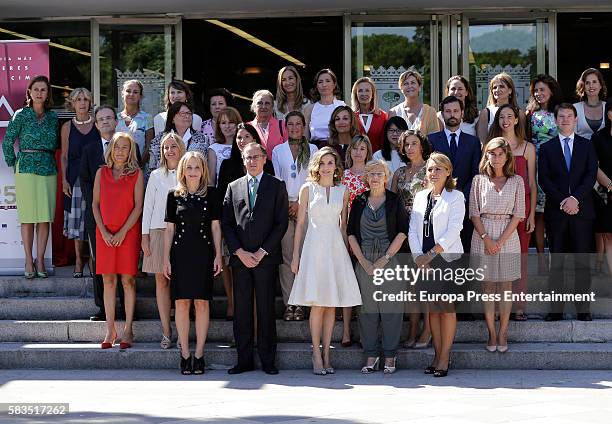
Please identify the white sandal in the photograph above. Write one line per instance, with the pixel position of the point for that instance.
(165, 343)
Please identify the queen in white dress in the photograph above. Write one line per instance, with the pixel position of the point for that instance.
(325, 276)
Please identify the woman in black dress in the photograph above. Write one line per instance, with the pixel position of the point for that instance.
(602, 141)
(192, 216)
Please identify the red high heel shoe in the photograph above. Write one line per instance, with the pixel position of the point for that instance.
(108, 345)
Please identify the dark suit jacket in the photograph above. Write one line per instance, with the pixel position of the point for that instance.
(264, 226)
(467, 158)
(558, 183)
(395, 216)
(92, 158)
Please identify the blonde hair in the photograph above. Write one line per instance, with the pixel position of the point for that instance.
(74, 94)
(131, 165)
(313, 166)
(171, 136)
(443, 161)
(373, 164)
(410, 73)
(355, 101)
(181, 178)
(281, 95)
(485, 167)
(356, 141)
(508, 82)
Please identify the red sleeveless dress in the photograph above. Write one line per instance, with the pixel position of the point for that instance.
(116, 204)
(520, 163)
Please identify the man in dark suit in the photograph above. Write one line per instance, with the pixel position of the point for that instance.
(91, 160)
(567, 169)
(464, 151)
(255, 218)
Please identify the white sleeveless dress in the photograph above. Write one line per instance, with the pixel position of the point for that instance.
(326, 276)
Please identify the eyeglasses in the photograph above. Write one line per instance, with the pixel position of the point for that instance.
(252, 158)
(376, 174)
(395, 131)
(184, 114)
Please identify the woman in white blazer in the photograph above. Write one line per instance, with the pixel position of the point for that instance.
(436, 221)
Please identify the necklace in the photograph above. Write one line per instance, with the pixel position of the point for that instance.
(598, 104)
(76, 121)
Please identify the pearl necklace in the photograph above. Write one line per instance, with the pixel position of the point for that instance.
(76, 121)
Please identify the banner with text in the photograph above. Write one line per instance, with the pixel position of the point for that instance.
(20, 61)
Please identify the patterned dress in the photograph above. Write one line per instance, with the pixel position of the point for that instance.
(407, 188)
(496, 209)
(354, 184)
(543, 128)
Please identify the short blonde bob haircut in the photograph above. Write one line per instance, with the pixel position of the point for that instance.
(181, 177)
(171, 137)
(442, 160)
(131, 165)
(410, 73)
(373, 164)
(485, 167)
(74, 94)
(313, 166)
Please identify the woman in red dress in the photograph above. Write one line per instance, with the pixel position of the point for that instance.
(117, 206)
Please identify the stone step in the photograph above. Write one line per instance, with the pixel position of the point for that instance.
(69, 308)
(63, 285)
(523, 356)
(74, 308)
(149, 331)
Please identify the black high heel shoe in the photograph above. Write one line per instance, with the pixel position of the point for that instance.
(441, 372)
(198, 365)
(186, 366)
(430, 370)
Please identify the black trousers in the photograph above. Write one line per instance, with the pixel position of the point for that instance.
(571, 235)
(258, 284)
(98, 283)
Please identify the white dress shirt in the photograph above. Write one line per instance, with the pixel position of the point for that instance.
(570, 142)
(156, 195)
(283, 162)
(448, 136)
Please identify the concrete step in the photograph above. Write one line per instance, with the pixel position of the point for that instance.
(69, 308)
(149, 331)
(523, 356)
(74, 308)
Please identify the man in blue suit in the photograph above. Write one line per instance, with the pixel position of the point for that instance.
(463, 150)
(567, 169)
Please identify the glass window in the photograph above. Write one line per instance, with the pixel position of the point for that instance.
(245, 55)
(383, 51)
(135, 52)
(503, 47)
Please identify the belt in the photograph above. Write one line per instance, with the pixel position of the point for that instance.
(495, 216)
(37, 151)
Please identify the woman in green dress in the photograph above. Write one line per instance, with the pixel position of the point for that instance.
(36, 128)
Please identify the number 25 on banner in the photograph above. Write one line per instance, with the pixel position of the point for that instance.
(7, 195)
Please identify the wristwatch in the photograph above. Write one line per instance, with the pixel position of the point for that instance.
(483, 235)
(387, 257)
(432, 253)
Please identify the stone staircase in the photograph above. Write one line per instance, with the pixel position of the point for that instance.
(43, 324)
